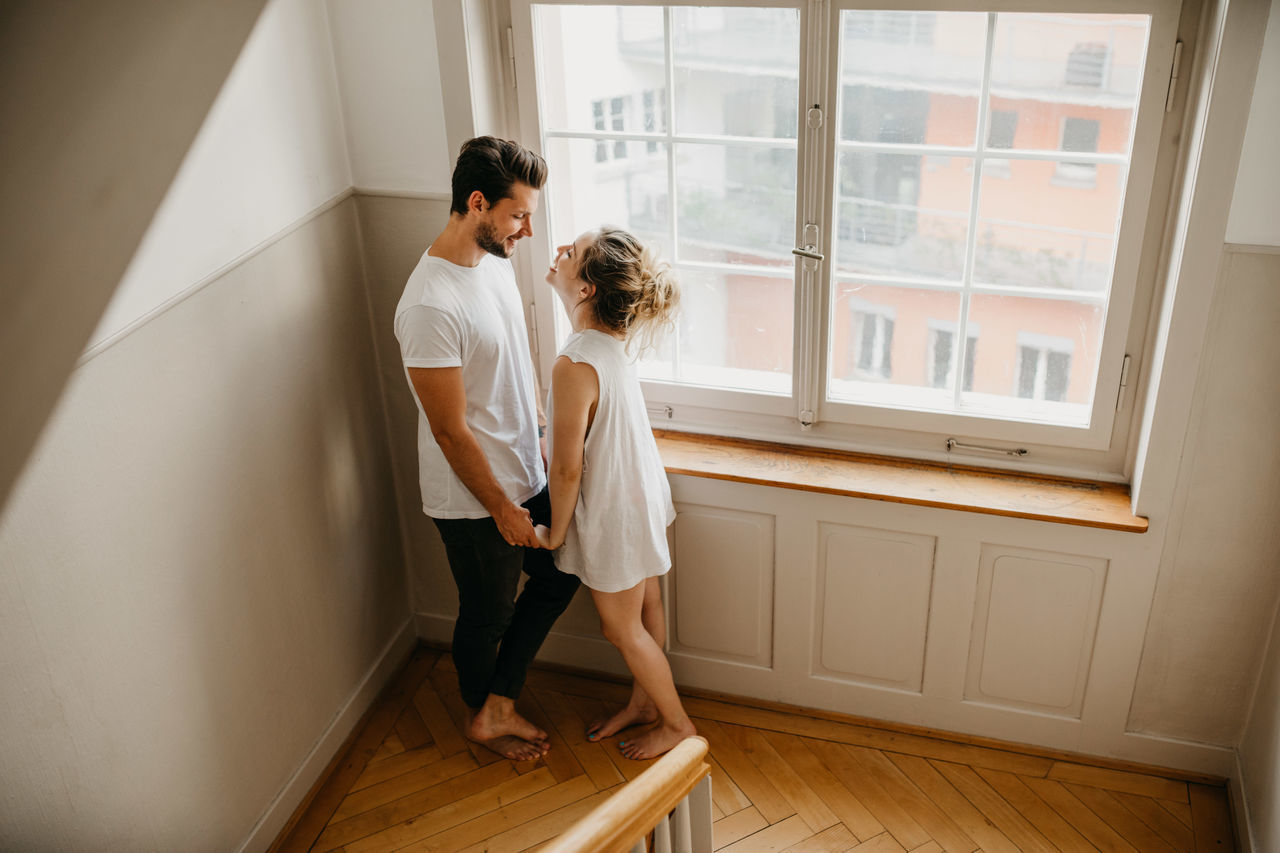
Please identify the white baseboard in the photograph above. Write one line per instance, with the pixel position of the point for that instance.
(1245, 841)
(1170, 752)
(288, 800)
(566, 649)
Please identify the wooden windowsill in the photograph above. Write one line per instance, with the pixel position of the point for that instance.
(882, 478)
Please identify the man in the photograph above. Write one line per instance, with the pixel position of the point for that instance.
(465, 349)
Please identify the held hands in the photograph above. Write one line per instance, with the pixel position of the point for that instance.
(544, 536)
(516, 526)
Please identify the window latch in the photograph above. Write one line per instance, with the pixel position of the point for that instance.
(1016, 452)
(810, 247)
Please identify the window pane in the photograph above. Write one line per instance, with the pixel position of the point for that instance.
(629, 192)
(911, 77)
(1039, 229)
(735, 331)
(736, 71)
(1035, 359)
(736, 204)
(595, 64)
(893, 345)
(903, 215)
(1052, 68)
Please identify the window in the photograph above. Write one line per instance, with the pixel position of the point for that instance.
(1044, 367)
(942, 356)
(1086, 65)
(966, 177)
(1000, 134)
(1078, 134)
(872, 327)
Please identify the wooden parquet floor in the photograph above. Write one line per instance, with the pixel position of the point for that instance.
(780, 782)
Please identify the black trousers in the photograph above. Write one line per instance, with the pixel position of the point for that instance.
(497, 633)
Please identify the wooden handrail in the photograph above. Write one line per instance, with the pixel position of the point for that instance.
(616, 824)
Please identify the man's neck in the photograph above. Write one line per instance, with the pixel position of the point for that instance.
(457, 244)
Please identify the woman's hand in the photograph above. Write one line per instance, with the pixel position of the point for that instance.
(544, 537)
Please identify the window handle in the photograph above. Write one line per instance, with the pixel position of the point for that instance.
(810, 248)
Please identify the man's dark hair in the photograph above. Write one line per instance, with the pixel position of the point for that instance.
(491, 166)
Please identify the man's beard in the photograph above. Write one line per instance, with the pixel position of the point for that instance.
(487, 239)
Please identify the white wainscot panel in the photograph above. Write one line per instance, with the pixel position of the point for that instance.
(871, 610)
(721, 585)
(1034, 629)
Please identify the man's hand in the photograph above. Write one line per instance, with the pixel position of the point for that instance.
(516, 525)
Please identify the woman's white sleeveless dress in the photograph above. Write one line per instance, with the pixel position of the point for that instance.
(618, 536)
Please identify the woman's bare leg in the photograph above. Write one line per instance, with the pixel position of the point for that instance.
(640, 709)
(621, 618)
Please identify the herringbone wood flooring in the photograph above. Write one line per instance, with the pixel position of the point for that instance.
(780, 781)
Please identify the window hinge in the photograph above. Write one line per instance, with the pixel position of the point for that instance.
(1173, 76)
(1124, 380)
(533, 330)
(511, 57)
(806, 419)
(659, 410)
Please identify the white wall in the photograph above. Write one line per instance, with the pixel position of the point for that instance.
(201, 573)
(271, 150)
(385, 53)
(1255, 207)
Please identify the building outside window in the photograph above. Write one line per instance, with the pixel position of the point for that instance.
(970, 176)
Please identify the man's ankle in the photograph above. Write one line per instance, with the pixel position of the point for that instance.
(498, 706)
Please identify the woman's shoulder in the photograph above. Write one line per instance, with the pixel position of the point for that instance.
(592, 346)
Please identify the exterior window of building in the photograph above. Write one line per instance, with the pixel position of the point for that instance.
(1086, 65)
(597, 114)
(1000, 134)
(965, 177)
(873, 343)
(618, 118)
(1079, 134)
(654, 103)
(941, 356)
(1044, 367)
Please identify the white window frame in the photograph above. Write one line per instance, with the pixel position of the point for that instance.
(1098, 451)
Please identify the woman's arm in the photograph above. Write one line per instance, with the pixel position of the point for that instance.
(575, 391)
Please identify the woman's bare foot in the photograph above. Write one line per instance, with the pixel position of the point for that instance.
(499, 727)
(631, 715)
(656, 741)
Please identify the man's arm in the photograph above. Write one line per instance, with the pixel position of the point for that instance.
(444, 399)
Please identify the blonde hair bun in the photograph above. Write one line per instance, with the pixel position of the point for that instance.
(636, 293)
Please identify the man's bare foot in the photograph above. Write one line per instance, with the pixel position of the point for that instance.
(631, 715)
(514, 748)
(656, 741)
(498, 723)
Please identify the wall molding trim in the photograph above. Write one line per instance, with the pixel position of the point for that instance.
(107, 343)
(419, 195)
(1250, 249)
(326, 748)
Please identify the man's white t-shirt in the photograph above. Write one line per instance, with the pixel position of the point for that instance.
(471, 317)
